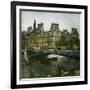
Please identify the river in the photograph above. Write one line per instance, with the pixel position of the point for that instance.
(51, 65)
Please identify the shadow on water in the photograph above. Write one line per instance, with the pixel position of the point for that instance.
(48, 65)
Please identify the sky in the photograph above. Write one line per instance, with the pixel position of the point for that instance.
(65, 20)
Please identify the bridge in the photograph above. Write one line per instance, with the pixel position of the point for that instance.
(67, 53)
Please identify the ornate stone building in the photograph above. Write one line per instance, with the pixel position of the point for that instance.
(38, 39)
(54, 36)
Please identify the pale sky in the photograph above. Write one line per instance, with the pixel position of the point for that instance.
(65, 20)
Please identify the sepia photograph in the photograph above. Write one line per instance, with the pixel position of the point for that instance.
(50, 44)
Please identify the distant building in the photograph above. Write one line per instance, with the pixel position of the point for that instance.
(75, 39)
(54, 36)
(74, 32)
(39, 39)
(65, 37)
(29, 29)
(34, 25)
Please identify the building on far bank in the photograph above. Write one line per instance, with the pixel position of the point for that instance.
(54, 36)
(38, 39)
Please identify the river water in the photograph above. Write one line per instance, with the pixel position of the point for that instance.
(49, 66)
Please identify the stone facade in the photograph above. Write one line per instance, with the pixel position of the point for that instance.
(39, 39)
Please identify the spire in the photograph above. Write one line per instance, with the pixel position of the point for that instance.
(34, 25)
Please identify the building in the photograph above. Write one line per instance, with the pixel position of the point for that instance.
(54, 36)
(38, 39)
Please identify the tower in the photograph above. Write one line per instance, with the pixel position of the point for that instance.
(34, 25)
(54, 27)
(29, 29)
(40, 27)
(74, 32)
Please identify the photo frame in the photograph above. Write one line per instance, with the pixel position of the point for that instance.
(48, 44)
